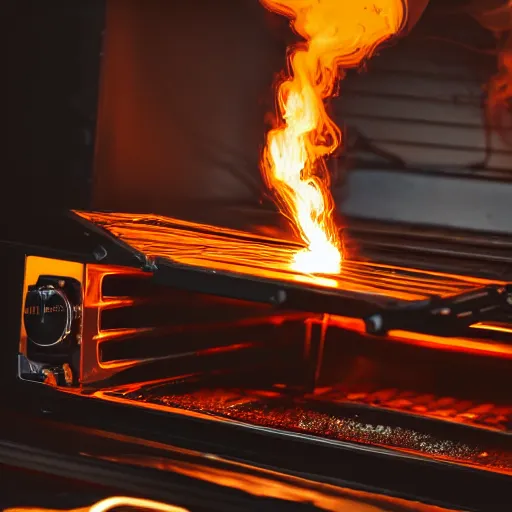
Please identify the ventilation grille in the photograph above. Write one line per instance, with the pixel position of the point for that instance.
(140, 320)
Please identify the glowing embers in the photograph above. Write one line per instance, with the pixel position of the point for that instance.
(488, 415)
(337, 34)
(335, 421)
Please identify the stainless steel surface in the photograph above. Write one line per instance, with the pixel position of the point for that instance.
(435, 199)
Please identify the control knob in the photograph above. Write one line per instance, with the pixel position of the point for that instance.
(48, 315)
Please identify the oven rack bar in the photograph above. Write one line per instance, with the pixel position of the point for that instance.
(224, 262)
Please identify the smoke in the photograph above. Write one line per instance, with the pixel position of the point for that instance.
(496, 16)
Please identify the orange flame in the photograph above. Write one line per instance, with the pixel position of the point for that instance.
(338, 34)
(496, 16)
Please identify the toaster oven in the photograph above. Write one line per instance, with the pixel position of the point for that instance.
(156, 341)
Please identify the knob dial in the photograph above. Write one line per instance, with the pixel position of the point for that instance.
(48, 316)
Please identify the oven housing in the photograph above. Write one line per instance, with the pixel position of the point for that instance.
(98, 127)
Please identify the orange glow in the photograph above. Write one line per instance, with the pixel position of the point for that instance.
(296, 490)
(453, 344)
(95, 303)
(136, 503)
(113, 503)
(338, 34)
(350, 324)
(485, 415)
(211, 405)
(267, 483)
(475, 346)
(226, 250)
(496, 327)
(35, 267)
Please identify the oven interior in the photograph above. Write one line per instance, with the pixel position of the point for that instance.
(307, 373)
(215, 344)
(246, 360)
(167, 345)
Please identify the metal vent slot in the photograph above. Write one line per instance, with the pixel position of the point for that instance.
(154, 306)
(134, 286)
(157, 323)
(179, 343)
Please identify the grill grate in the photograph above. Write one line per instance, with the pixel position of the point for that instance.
(488, 415)
(268, 409)
(195, 245)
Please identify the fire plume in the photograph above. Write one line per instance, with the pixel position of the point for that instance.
(338, 34)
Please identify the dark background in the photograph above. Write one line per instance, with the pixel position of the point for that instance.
(53, 61)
